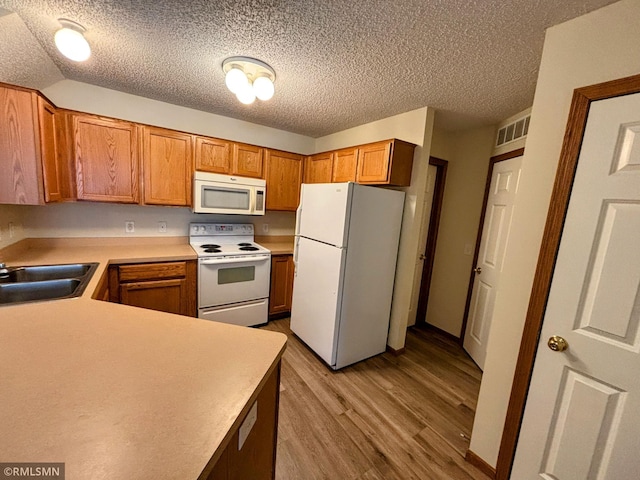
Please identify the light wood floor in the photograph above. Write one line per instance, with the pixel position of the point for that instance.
(388, 417)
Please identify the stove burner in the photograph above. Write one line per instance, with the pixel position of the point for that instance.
(212, 250)
(250, 249)
(209, 245)
(245, 245)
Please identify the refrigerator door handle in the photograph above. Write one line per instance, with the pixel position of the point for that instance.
(295, 254)
(298, 212)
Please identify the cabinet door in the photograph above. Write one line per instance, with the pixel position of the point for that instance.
(163, 295)
(247, 160)
(164, 286)
(373, 163)
(168, 167)
(256, 459)
(345, 165)
(51, 168)
(106, 159)
(20, 170)
(213, 155)
(284, 177)
(281, 290)
(318, 168)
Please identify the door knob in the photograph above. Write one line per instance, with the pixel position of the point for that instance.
(422, 257)
(557, 344)
(478, 270)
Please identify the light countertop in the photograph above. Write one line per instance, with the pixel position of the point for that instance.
(121, 392)
(279, 245)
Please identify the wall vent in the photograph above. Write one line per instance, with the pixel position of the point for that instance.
(513, 131)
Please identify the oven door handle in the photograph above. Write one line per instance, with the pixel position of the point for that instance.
(226, 261)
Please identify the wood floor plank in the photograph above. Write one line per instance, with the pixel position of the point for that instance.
(388, 417)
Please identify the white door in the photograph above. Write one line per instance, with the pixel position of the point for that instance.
(323, 213)
(582, 417)
(317, 294)
(493, 245)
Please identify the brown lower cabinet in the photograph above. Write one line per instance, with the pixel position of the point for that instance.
(281, 291)
(256, 460)
(164, 286)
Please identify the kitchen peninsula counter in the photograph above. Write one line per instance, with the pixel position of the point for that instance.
(120, 392)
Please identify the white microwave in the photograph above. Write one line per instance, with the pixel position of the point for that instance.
(215, 193)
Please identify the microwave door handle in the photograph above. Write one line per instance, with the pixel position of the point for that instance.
(225, 261)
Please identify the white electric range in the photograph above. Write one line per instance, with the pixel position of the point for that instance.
(233, 273)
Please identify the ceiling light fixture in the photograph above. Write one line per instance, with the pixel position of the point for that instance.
(71, 42)
(249, 79)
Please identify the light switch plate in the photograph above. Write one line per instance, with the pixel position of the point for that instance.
(247, 425)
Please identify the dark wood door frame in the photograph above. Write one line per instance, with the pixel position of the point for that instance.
(582, 98)
(432, 237)
(472, 275)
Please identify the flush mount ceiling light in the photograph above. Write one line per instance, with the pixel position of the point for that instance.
(71, 42)
(249, 79)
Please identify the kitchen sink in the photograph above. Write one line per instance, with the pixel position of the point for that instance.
(44, 282)
(31, 291)
(47, 272)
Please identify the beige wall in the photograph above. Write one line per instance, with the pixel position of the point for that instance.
(415, 127)
(594, 48)
(468, 154)
(12, 215)
(93, 219)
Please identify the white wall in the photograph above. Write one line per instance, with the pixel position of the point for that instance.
(597, 47)
(468, 154)
(415, 127)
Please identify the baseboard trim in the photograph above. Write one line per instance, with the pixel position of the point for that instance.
(428, 326)
(395, 352)
(480, 464)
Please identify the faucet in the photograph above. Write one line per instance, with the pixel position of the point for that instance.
(5, 271)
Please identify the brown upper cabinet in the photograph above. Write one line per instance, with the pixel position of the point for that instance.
(385, 163)
(381, 163)
(213, 155)
(51, 168)
(345, 164)
(284, 177)
(106, 159)
(318, 168)
(167, 162)
(219, 156)
(30, 169)
(247, 160)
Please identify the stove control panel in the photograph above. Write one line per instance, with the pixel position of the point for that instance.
(206, 229)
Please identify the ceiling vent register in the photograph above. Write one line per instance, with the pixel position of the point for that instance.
(513, 131)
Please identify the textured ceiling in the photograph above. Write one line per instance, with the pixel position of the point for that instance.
(338, 63)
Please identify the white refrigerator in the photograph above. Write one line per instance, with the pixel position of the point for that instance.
(345, 254)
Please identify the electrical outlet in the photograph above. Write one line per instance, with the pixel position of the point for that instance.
(265, 228)
(129, 226)
(162, 226)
